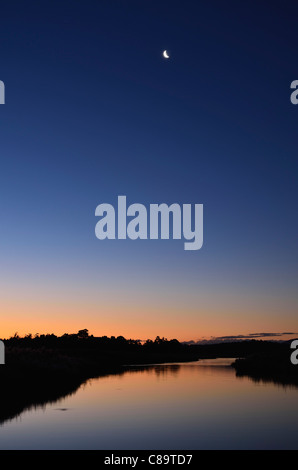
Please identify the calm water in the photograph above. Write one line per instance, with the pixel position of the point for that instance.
(198, 405)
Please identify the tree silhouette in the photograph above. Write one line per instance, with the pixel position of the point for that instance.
(83, 333)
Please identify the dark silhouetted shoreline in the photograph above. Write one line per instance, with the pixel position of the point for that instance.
(273, 367)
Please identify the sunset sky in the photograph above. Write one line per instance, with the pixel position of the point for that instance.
(94, 111)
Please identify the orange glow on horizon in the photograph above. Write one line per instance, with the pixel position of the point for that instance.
(133, 322)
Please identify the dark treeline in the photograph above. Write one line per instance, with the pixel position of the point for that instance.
(240, 349)
(121, 350)
(82, 355)
(83, 340)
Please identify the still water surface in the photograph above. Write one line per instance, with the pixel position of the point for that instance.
(197, 405)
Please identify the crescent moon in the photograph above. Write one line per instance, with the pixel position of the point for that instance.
(165, 54)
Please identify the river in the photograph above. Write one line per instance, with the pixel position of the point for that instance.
(196, 405)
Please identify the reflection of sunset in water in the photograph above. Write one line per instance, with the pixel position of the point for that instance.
(198, 405)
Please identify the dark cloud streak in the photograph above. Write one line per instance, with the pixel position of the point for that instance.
(250, 336)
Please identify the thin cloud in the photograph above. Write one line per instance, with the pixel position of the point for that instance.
(225, 339)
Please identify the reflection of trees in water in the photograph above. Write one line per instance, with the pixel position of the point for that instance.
(36, 392)
(154, 369)
(172, 369)
(279, 378)
(281, 382)
(15, 401)
(268, 368)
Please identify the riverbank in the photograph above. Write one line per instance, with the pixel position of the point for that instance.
(36, 376)
(273, 367)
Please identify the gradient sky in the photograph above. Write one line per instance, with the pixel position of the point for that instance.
(93, 111)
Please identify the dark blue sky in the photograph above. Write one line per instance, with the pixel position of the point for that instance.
(93, 110)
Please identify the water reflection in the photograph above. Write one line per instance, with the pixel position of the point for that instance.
(174, 369)
(199, 405)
